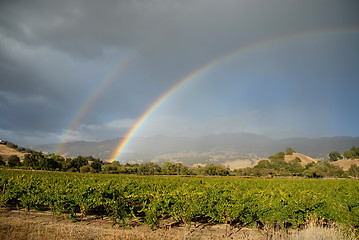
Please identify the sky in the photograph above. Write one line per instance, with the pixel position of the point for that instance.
(77, 70)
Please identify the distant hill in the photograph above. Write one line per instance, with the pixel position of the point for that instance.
(6, 152)
(304, 159)
(242, 149)
(345, 163)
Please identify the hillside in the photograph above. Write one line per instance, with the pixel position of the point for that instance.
(304, 159)
(240, 149)
(345, 163)
(6, 152)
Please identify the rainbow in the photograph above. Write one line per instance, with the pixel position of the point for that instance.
(92, 97)
(206, 67)
(99, 90)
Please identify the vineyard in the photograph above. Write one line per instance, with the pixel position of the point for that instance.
(152, 199)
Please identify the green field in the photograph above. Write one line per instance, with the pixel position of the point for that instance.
(150, 199)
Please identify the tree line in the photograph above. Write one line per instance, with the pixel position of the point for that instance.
(353, 153)
(35, 160)
(53, 162)
(275, 165)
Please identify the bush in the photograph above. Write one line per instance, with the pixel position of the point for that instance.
(335, 156)
(85, 169)
(2, 162)
(11, 145)
(354, 171)
(289, 151)
(349, 154)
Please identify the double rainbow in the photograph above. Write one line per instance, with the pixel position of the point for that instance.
(205, 68)
(91, 98)
(122, 64)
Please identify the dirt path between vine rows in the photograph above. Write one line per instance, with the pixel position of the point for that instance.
(21, 225)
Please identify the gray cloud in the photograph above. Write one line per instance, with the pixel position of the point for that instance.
(54, 54)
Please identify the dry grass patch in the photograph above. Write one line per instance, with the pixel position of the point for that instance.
(304, 159)
(6, 152)
(345, 163)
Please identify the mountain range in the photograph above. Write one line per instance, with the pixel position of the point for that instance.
(243, 148)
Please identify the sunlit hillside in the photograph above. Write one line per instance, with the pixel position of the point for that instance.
(6, 152)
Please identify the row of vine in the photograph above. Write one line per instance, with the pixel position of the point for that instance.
(185, 199)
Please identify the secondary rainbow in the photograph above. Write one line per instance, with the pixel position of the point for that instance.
(203, 69)
(91, 98)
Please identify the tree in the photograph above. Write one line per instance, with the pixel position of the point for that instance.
(66, 165)
(97, 165)
(2, 161)
(60, 161)
(356, 150)
(335, 156)
(85, 169)
(167, 168)
(48, 163)
(323, 169)
(349, 154)
(13, 161)
(78, 162)
(277, 156)
(213, 170)
(268, 172)
(30, 161)
(209, 169)
(289, 151)
(354, 170)
(109, 168)
(180, 169)
(295, 168)
(221, 171)
(263, 164)
(149, 168)
(11, 145)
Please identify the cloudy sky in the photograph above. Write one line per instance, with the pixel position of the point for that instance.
(87, 70)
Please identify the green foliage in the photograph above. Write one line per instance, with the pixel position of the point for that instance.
(354, 170)
(2, 162)
(289, 151)
(169, 168)
(13, 161)
(30, 161)
(11, 145)
(78, 162)
(212, 170)
(85, 169)
(323, 169)
(277, 156)
(349, 154)
(149, 169)
(335, 156)
(295, 168)
(276, 166)
(150, 198)
(97, 165)
(356, 150)
(48, 163)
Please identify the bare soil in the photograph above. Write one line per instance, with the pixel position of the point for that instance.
(20, 225)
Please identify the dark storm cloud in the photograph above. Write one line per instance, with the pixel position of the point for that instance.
(53, 54)
(84, 27)
(87, 27)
